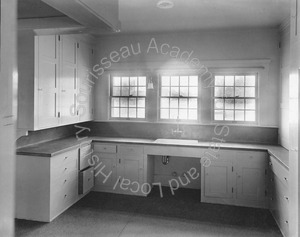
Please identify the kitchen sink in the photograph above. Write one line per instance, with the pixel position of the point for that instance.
(175, 141)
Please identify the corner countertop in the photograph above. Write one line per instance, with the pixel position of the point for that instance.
(55, 147)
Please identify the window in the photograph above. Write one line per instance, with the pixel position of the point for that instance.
(179, 97)
(128, 97)
(235, 97)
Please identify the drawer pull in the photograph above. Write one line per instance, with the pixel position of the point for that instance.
(65, 181)
(65, 196)
(286, 179)
(66, 169)
(286, 222)
(66, 157)
(286, 198)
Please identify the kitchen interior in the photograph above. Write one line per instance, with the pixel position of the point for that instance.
(153, 118)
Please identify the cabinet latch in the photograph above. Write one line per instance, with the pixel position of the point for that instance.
(58, 114)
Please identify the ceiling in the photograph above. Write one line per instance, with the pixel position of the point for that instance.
(139, 16)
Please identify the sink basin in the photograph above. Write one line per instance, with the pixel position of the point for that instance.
(175, 141)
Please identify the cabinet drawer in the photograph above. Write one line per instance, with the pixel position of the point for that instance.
(85, 156)
(131, 150)
(63, 171)
(86, 180)
(62, 182)
(252, 157)
(105, 148)
(281, 172)
(64, 158)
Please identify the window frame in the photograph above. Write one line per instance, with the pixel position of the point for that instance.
(126, 74)
(236, 72)
(159, 96)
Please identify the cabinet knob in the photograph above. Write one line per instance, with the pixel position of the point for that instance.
(286, 179)
(65, 196)
(66, 169)
(65, 181)
(270, 163)
(66, 157)
(286, 198)
(286, 222)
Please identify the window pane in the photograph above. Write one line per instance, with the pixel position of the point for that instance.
(229, 104)
(250, 104)
(123, 112)
(183, 103)
(219, 80)
(173, 113)
(193, 80)
(229, 80)
(239, 80)
(125, 81)
(219, 104)
(133, 91)
(228, 114)
(193, 114)
(132, 112)
(250, 80)
(183, 113)
(115, 102)
(142, 81)
(184, 81)
(141, 102)
(175, 81)
(219, 91)
(173, 103)
(165, 81)
(184, 91)
(193, 103)
(124, 102)
(250, 116)
(125, 91)
(250, 91)
(141, 91)
(164, 113)
(219, 115)
(133, 81)
(141, 113)
(175, 91)
(116, 91)
(116, 81)
(115, 112)
(229, 92)
(239, 91)
(164, 103)
(132, 102)
(193, 91)
(239, 115)
(165, 91)
(239, 104)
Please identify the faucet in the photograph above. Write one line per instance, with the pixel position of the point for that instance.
(177, 132)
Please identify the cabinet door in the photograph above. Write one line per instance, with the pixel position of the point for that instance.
(47, 80)
(85, 95)
(85, 54)
(105, 171)
(68, 81)
(218, 180)
(130, 166)
(251, 176)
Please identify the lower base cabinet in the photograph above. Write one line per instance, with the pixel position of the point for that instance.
(46, 186)
(235, 178)
(119, 168)
(279, 194)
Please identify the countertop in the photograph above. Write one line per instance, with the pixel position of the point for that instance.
(55, 147)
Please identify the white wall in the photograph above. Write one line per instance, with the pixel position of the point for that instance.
(206, 46)
(284, 86)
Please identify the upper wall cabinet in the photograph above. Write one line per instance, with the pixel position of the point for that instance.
(52, 86)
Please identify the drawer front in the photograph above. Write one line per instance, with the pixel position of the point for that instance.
(86, 180)
(64, 158)
(85, 157)
(252, 157)
(131, 150)
(58, 184)
(63, 199)
(63, 171)
(281, 172)
(105, 148)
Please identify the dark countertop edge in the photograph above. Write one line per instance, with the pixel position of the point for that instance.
(150, 142)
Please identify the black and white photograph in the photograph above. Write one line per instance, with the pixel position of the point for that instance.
(149, 118)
